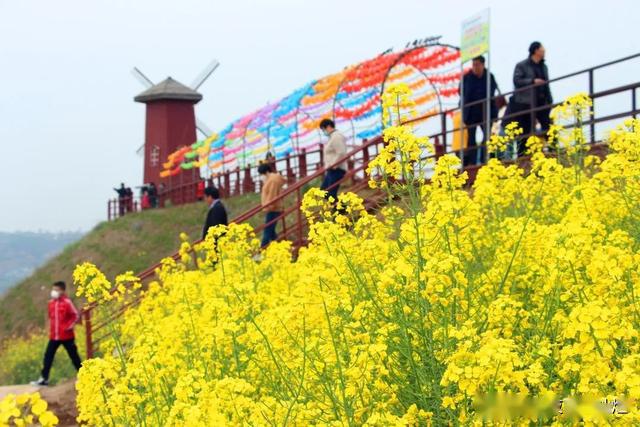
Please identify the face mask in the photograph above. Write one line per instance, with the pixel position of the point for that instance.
(55, 294)
(325, 133)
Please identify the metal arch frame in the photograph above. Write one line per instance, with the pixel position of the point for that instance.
(297, 147)
(343, 80)
(244, 135)
(311, 118)
(428, 79)
(297, 109)
(244, 140)
(401, 57)
(335, 96)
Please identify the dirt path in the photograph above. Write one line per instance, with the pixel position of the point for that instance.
(17, 389)
(61, 399)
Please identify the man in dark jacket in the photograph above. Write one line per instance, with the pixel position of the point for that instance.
(532, 71)
(129, 199)
(122, 197)
(153, 195)
(475, 89)
(217, 214)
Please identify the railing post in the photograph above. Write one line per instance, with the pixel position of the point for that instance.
(532, 114)
(87, 335)
(439, 149)
(321, 159)
(302, 163)
(247, 182)
(284, 225)
(443, 127)
(227, 184)
(365, 156)
(633, 102)
(350, 167)
(218, 183)
(291, 177)
(299, 216)
(238, 188)
(592, 126)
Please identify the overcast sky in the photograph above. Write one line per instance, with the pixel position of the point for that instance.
(69, 127)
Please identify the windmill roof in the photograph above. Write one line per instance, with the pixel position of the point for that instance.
(169, 89)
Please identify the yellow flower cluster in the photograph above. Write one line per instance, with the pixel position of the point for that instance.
(498, 143)
(91, 283)
(522, 290)
(94, 286)
(567, 131)
(397, 105)
(26, 410)
(405, 156)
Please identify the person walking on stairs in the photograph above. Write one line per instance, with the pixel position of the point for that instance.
(63, 316)
(272, 184)
(334, 150)
(531, 77)
(217, 213)
(474, 89)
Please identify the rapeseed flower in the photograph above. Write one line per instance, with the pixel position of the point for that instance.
(520, 292)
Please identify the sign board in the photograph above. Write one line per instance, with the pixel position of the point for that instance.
(474, 39)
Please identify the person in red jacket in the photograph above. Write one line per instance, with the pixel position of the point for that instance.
(62, 318)
(200, 190)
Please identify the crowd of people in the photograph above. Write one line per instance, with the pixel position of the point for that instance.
(531, 85)
(148, 198)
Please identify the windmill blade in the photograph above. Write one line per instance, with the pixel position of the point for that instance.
(204, 129)
(204, 75)
(146, 82)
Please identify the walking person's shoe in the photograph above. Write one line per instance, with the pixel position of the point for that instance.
(40, 382)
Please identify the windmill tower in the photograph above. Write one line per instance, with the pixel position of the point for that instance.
(170, 118)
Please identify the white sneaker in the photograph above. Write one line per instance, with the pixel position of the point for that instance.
(40, 382)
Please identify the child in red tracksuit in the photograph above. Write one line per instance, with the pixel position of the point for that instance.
(62, 317)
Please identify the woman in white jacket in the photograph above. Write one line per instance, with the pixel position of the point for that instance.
(334, 151)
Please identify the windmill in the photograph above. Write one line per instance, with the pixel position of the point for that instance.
(195, 85)
(170, 118)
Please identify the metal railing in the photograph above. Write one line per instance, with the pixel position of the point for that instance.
(446, 133)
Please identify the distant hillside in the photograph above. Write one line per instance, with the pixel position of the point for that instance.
(22, 252)
(133, 242)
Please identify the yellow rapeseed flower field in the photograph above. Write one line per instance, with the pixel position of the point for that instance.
(517, 300)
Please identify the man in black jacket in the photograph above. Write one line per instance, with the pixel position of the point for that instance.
(122, 197)
(475, 89)
(217, 214)
(532, 71)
